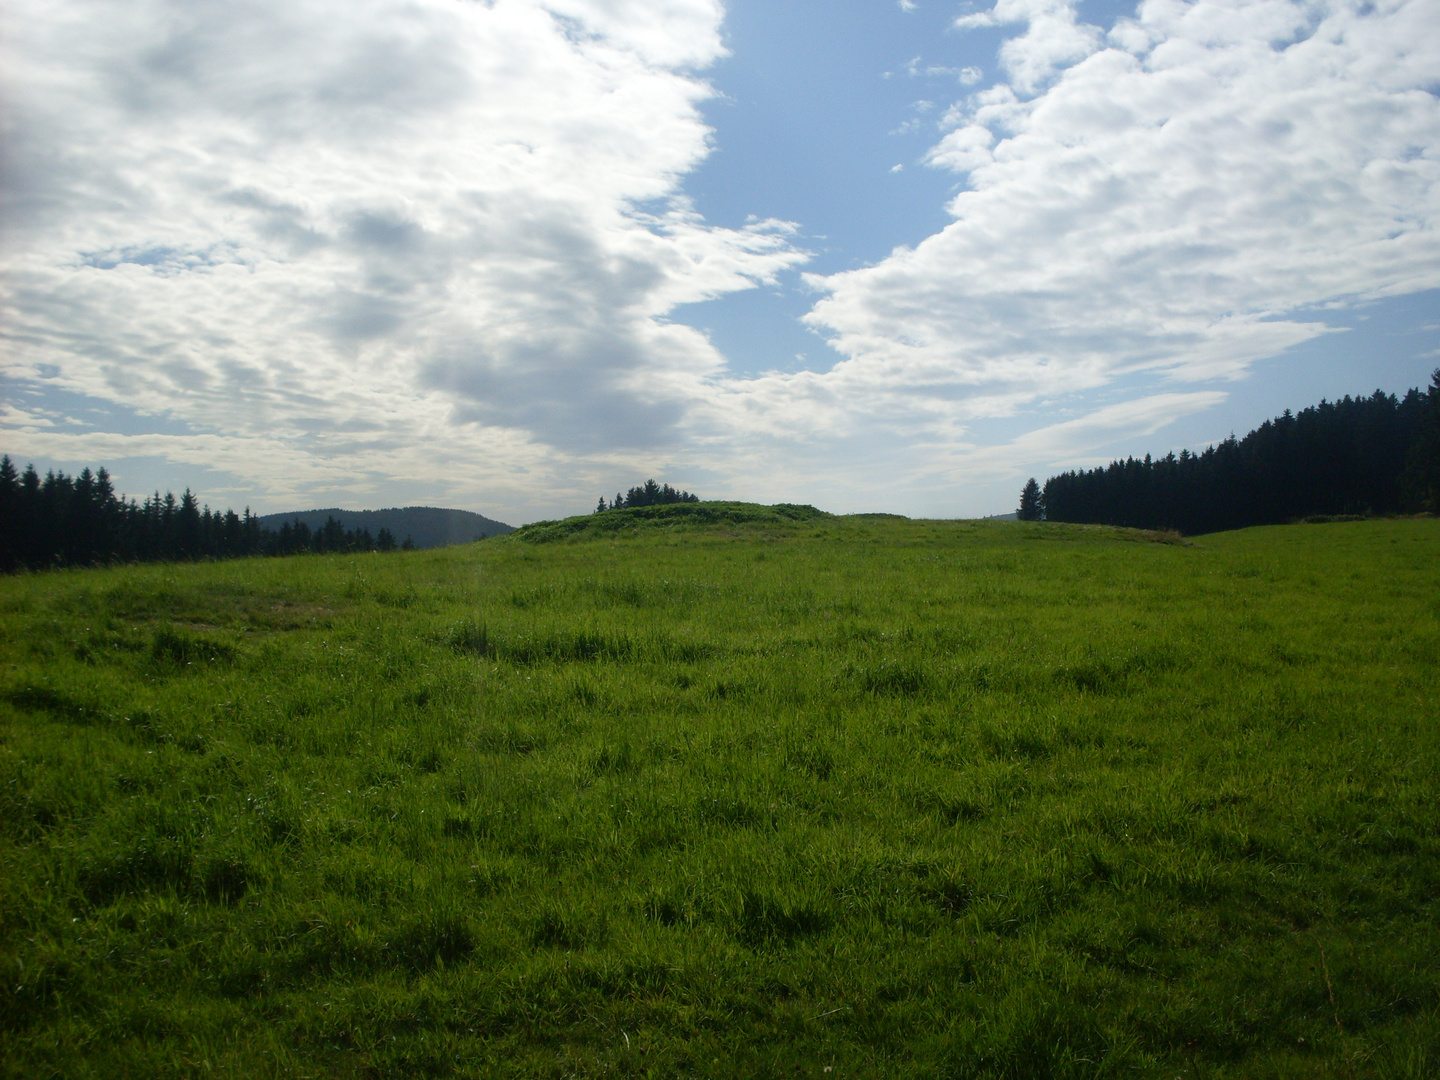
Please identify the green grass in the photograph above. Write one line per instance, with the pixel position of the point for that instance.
(760, 794)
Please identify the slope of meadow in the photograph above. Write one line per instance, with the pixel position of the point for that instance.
(772, 794)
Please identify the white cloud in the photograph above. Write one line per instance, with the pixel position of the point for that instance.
(1056, 444)
(369, 232)
(1053, 38)
(1166, 206)
(963, 149)
(967, 76)
(949, 464)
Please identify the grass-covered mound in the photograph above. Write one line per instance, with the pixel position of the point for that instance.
(889, 798)
(669, 516)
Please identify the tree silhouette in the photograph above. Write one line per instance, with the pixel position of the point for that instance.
(1032, 502)
(649, 494)
(1422, 470)
(79, 521)
(1362, 455)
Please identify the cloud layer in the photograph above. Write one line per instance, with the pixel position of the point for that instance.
(1167, 199)
(369, 231)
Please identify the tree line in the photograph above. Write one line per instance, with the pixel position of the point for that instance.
(61, 520)
(647, 494)
(1363, 455)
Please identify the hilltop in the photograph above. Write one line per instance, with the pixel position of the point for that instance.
(668, 516)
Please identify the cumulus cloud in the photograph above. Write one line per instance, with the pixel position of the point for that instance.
(1165, 201)
(367, 231)
(1053, 39)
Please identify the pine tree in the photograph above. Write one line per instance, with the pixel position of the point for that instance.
(1032, 502)
(1422, 470)
(11, 515)
(652, 494)
(188, 525)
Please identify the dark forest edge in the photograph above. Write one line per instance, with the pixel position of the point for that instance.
(1357, 457)
(62, 520)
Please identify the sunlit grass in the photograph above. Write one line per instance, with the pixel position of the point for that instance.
(743, 796)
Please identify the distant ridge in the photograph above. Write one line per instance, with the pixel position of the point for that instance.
(427, 526)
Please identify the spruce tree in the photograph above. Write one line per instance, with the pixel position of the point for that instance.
(1422, 469)
(11, 515)
(1032, 503)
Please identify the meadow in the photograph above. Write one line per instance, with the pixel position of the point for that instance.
(728, 792)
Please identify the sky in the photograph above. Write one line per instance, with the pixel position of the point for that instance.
(865, 254)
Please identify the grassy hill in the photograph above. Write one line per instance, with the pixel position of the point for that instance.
(427, 526)
(764, 795)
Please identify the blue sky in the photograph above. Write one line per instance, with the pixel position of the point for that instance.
(819, 104)
(864, 254)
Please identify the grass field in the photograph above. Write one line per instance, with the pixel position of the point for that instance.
(757, 793)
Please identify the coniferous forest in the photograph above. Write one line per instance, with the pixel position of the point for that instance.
(61, 520)
(1357, 456)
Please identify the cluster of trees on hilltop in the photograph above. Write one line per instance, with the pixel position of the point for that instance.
(647, 494)
(79, 520)
(1363, 455)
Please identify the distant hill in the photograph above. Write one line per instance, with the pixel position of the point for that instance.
(427, 526)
